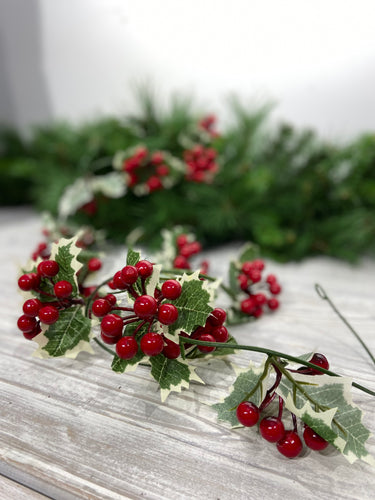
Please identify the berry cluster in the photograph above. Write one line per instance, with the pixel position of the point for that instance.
(208, 123)
(186, 248)
(213, 330)
(146, 311)
(251, 283)
(201, 164)
(147, 169)
(54, 295)
(272, 428)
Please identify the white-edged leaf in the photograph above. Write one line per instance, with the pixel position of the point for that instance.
(65, 252)
(325, 404)
(111, 185)
(77, 194)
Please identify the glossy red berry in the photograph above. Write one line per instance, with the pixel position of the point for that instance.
(30, 335)
(48, 268)
(258, 264)
(107, 339)
(26, 323)
(247, 413)
(126, 347)
(248, 305)
(101, 307)
(94, 264)
(152, 344)
(243, 281)
(290, 445)
(272, 429)
(171, 350)
(260, 299)
(257, 313)
(220, 333)
(167, 314)
(118, 281)
(217, 317)
(181, 240)
(144, 268)
(48, 315)
(247, 267)
(111, 299)
(313, 440)
(206, 337)
(171, 289)
(112, 325)
(145, 306)
(273, 304)
(181, 262)
(319, 359)
(26, 282)
(129, 275)
(275, 288)
(63, 289)
(31, 307)
(271, 278)
(255, 275)
(153, 183)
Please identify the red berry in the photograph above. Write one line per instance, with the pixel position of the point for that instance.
(111, 299)
(157, 158)
(206, 337)
(26, 323)
(257, 313)
(129, 275)
(153, 183)
(275, 288)
(48, 315)
(217, 317)
(273, 304)
(290, 445)
(181, 240)
(111, 325)
(94, 264)
(271, 278)
(260, 299)
(272, 429)
(220, 333)
(181, 262)
(255, 275)
(167, 314)
(248, 305)
(48, 268)
(30, 335)
(144, 268)
(258, 264)
(26, 282)
(243, 281)
(247, 267)
(107, 339)
(118, 281)
(31, 307)
(247, 413)
(162, 170)
(319, 360)
(152, 344)
(63, 289)
(171, 289)
(101, 307)
(171, 350)
(126, 347)
(313, 440)
(145, 306)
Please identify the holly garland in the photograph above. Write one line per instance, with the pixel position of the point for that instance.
(284, 189)
(167, 317)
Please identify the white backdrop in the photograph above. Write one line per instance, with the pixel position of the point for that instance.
(315, 59)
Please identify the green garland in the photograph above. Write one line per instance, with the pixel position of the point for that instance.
(284, 189)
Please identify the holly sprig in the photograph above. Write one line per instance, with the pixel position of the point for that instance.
(166, 319)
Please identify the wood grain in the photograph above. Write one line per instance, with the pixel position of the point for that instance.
(74, 429)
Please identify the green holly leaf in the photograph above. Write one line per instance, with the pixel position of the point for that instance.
(67, 337)
(127, 365)
(325, 404)
(172, 374)
(250, 251)
(193, 304)
(250, 385)
(65, 253)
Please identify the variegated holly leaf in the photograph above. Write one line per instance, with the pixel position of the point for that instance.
(172, 374)
(67, 337)
(250, 385)
(65, 253)
(249, 251)
(325, 404)
(151, 282)
(127, 365)
(193, 305)
(132, 257)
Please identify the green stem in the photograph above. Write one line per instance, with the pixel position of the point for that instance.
(278, 354)
(104, 346)
(322, 294)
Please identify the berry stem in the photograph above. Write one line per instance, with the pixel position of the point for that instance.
(276, 354)
(281, 408)
(322, 294)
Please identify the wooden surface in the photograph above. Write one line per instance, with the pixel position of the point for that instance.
(74, 429)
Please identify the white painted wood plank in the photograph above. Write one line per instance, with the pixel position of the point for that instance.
(75, 429)
(10, 490)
